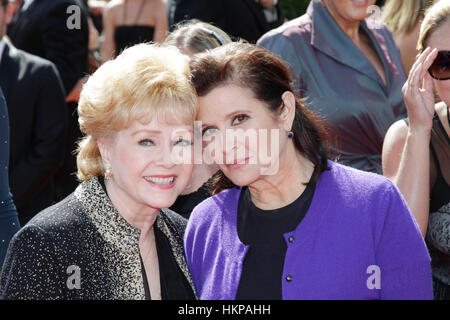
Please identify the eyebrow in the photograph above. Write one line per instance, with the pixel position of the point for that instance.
(145, 131)
(230, 115)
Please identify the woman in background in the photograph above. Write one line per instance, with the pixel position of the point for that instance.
(416, 152)
(404, 19)
(351, 72)
(129, 22)
(9, 222)
(192, 37)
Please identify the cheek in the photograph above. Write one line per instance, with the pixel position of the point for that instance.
(131, 161)
(186, 170)
(443, 90)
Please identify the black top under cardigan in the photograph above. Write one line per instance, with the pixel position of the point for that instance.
(85, 237)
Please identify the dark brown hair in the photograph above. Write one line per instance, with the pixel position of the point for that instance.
(268, 77)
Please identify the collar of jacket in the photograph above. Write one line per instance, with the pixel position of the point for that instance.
(111, 225)
(328, 37)
(118, 232)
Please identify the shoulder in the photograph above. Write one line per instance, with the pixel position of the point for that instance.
(37, 64)
(159, 5)
(210, 214)
(112, 7)
(396, 133)
(393, 144)
(212, 207)
(63, 220)
(357, 186)
(299, 27)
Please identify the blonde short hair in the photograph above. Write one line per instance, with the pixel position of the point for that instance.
(435, 17)
(144, 81)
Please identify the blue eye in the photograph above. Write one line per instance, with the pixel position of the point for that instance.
(183, 142)
(146, 142)
(239, 119)
(209, 131)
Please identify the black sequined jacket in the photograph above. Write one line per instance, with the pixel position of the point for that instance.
(82, 248)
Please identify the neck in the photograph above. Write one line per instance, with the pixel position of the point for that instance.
(276, 191)
(139, 216)
(350, 27)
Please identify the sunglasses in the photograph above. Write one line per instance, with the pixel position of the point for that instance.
(440, 69)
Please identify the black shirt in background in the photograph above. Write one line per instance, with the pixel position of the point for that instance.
(263, 231)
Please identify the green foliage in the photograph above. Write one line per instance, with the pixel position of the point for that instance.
(293, 8)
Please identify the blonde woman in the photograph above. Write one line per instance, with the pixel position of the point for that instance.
(416, 152)
(110, 239)
(404, 19)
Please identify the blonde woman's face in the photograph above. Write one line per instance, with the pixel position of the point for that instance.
(150, 163)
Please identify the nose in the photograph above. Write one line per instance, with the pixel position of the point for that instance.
(164, 158)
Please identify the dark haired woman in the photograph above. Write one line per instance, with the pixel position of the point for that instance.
(291, 225)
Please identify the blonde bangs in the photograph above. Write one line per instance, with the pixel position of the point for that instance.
(143, 82)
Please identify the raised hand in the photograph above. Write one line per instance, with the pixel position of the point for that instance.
(420, 100)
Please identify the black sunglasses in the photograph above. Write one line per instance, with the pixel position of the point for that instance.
(440, 69)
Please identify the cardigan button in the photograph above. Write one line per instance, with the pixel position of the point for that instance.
(291, 239)
(288, 278)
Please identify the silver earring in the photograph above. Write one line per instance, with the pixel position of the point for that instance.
(290, 135)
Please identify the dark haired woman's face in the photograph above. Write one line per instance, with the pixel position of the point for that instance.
(241, 134)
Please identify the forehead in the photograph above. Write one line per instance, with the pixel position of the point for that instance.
(440, 37)
(157, 125)
(225, 99)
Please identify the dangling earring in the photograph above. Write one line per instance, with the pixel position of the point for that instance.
(290, 135)
(108, 173)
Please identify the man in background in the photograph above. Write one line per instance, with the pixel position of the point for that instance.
(57, 30)
(38, 123)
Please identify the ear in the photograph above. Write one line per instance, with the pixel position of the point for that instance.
(104, 145)
(288, 110)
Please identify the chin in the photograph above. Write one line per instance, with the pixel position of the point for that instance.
(241, 180)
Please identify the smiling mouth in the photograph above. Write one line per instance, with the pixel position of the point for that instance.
(161, 181)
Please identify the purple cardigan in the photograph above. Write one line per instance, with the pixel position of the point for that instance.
(358, 240)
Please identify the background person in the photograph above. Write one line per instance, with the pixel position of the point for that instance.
(9, 222)
(129, 22)
(239, 18)
(192, 37)
(38, 120)
(416, 152)
(404, 19)
(39, 27)
(351, 72)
